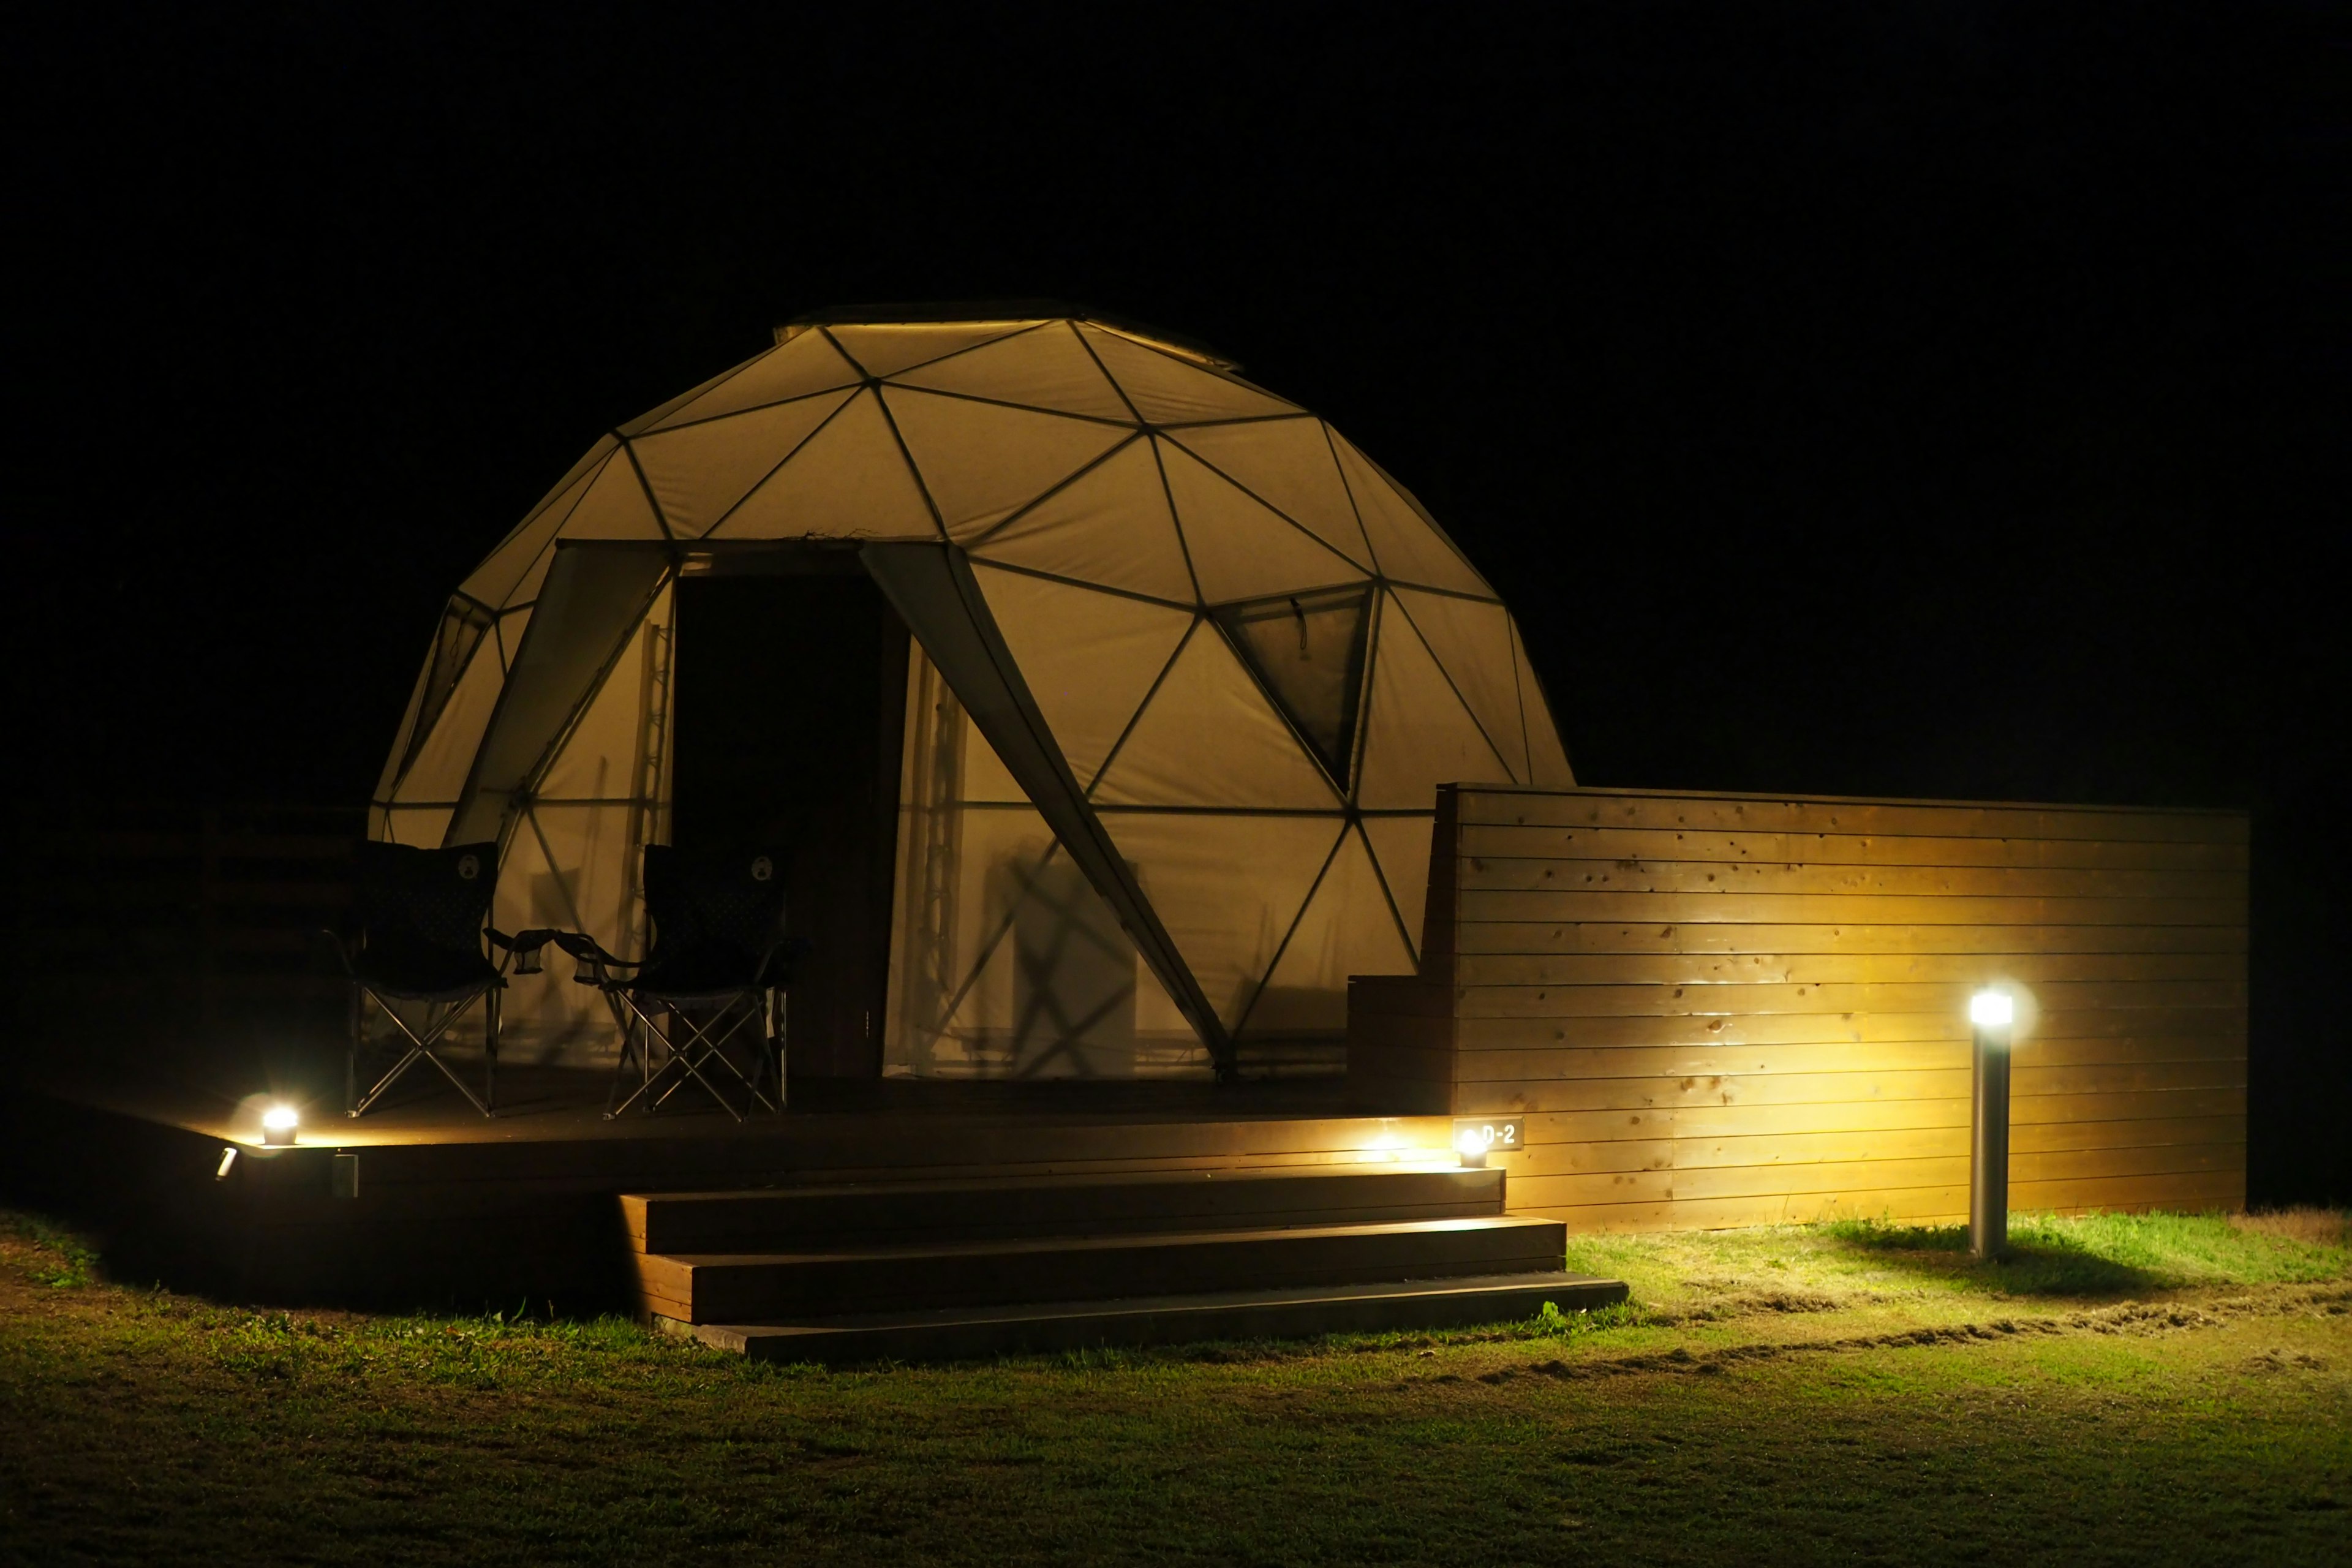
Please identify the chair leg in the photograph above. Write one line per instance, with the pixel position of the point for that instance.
(490, 1053)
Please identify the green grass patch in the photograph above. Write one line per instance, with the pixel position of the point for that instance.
(1859, 1408)
(1841, 1262)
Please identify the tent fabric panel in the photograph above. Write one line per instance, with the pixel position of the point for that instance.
(933, 591)
(981, 462)
(1089, 658)
(437, 768)
(616, 506)
(1402, 845)
(561, 868)
(698, 472)
(1209, 737)
(1410, 547)
(848, 480)
(1111, 525)
(1417, 733)
(1474, 644)
(495, 581)
(891, 347)
(1229, 887)
(1045, 368)
(1347, 929)
(1167, 390)
(603, 754)
(804, 365)
(1546, 757)
(465, 627)
(593, 601)
(422, 826)
(1288, 464)
(1240, 548)
(513, 624)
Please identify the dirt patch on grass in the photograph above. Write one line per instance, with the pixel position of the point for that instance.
(2311, 1227)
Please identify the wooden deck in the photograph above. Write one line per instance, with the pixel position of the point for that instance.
(424, 1201)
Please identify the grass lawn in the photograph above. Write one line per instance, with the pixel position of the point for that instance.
(2129, 1389)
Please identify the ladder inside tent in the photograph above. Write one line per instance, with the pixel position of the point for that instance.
(649, 801)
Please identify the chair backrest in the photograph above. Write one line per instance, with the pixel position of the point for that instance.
(714, 909)
(436, 899)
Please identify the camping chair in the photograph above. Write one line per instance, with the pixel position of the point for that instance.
(424, 924)
(720, 963)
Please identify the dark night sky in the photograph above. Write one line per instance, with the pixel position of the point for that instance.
(1938, 399)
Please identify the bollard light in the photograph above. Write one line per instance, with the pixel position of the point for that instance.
(1991, 1013)
(277, 1124)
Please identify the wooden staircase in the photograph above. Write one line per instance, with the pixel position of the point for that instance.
(925, 1269)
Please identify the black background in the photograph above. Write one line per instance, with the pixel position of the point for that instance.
(1940, 400)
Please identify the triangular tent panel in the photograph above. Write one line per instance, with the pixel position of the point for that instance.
(1232, 887)
(1167, 390)
(1417, 733)
(1307, 651)
(616, 506)
(1045, 367)
(1111, 525)
(513, 624)
(698, 472)
(434, 770)
(1401, 845)
(849, 481)
(1089, 658)
(1547, 759)
(495, 581)
(1408, 546)
(1472, 640)
(803, 365)
(1207, 698)
(1347, 929)
(981, 462)
(891, 348)
(1241, 549)
(1288, 464)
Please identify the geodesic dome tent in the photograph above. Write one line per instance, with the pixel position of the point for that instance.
(1186, 669)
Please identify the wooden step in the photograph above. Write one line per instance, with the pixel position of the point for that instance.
(707, 1288)
(953, 1333)
(790, 1218)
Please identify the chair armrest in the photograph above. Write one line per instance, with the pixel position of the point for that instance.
(595, 965)
(523, 948)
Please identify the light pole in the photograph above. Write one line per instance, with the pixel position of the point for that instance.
(1991, 1013)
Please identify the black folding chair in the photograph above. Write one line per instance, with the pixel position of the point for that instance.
(719, 965)
(425, 938)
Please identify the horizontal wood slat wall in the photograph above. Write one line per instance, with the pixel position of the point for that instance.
(1720, 1009)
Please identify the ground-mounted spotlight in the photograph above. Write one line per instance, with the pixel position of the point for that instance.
(278, 1125)
(1991, 1013)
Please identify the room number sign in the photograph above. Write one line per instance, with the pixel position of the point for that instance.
(1486, 1134)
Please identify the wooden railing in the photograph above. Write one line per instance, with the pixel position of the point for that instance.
(167, 919)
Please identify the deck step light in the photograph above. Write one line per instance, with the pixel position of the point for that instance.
(1991, 1013)
(277, 1124)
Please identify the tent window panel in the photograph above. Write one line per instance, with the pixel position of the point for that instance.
(463, 626)
(1309, 649)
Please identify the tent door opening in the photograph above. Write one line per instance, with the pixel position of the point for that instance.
(790, 674)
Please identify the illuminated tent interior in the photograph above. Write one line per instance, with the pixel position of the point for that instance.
(1152, 775)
